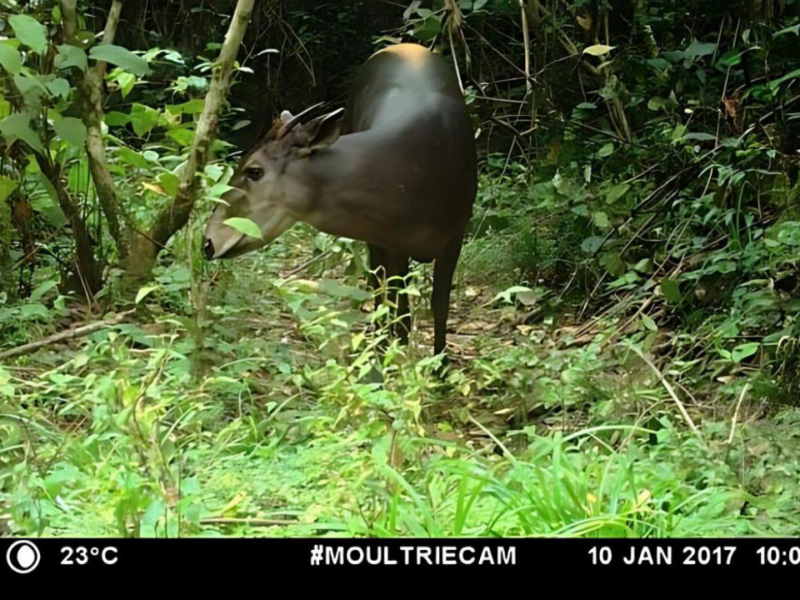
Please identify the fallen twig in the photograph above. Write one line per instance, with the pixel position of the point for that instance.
(69, 334)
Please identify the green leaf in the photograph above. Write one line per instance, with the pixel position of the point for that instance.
(774, 85)
(606, 150)
(18, 127)
(613, 263)
(184, 137)
(71, 130)
(126, 83)
(479, 4)
(601, 220)
(7, 187)
(703, 137)
(671, 290)
(10, 59)
(59, 87)
(744, 350)
(30, 32)
(143, 119)
(617, 192)
(649, 323)
(598, 49)
(122, 57)
(244, 226)
(592, 244)
(587, 106)
(71, 56)
(144, 291)
(133, 158)
(429, 29)
(41, 290)
(700, 49)
(659, 63)
(28, 84)
(795, 29)
(117, 119)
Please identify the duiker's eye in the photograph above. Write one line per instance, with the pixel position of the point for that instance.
(254, 173)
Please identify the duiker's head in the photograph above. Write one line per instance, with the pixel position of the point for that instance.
(269, 188)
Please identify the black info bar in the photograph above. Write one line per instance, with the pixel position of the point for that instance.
(36, 558)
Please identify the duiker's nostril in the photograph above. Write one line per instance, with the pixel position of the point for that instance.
(208, 250)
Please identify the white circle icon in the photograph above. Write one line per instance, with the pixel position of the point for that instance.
(23, 557)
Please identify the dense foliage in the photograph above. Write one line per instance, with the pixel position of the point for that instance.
(625, 353)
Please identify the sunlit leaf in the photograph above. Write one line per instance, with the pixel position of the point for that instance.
(144, 292)
(7, 187)
(244, 226)
(744, 351)
(598, 49)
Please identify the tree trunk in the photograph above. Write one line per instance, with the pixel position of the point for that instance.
(90, 91)
(145, 248)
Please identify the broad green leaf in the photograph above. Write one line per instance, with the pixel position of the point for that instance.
(10, 59)
(479, 4)
(183, 136)
(598, 49)
(601, 220)
(71, 56)
(587, 106)
(617, 192)
(592, 244)
(774, 85)
(671, 290)
(144, 292)
(702, 137)
(41, 290)
(28, 84)
(700, 49)
(169, 182)
(744, 350)
(649, 323)
(7, 187)
(59, 87)
(71, 130)
(133, 158)
(126, 83)
(18, 127)
(613, 263)
(117, 119)
(514, 290)
(659, 63)
(30, 32)
(606, 150)
(429, 29)
(244, 226)
(122, 57)
(143, 119)
(795, 29)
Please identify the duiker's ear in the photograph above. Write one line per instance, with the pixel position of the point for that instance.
(322, 131)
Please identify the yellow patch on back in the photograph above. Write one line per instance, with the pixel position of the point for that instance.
(413, 54)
